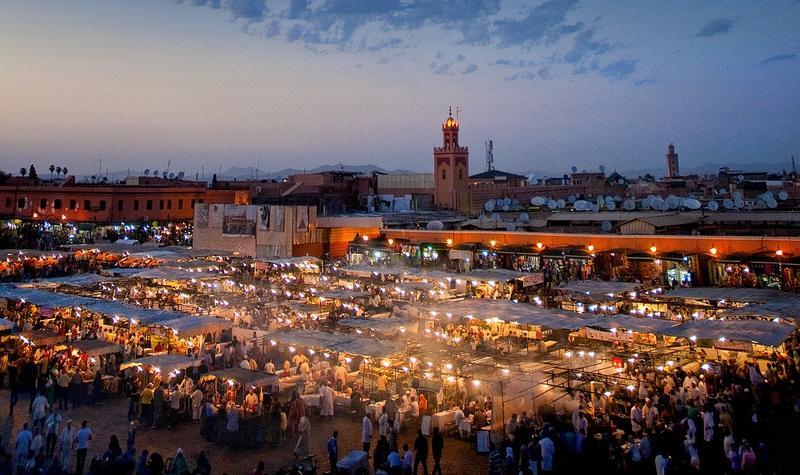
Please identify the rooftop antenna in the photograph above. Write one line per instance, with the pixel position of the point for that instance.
(458, 111)
(489, 155)
(794, 169)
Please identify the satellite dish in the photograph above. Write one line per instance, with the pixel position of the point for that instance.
(783, 196)
(523, 217)
(515, 203)
(506, 208)
(723, 191)
(611, 206)
(561, 203)
(538, 201)
(511, 227)
(629, 205)
(602, 168)
(740, 177)
(595, 208)
(533, 180)
(621, 181)
(489, 205)
(581, 205)
(692, 204)
(574, 169)
(713, 206)
(495, 217)
(146, 171)
(171, 176)
(737, 194)
(552, 204)
(738, 203)
(155, 172)
(772, 204)
(761, 204)
(767, 196)
(606, 226)
(434, 226)
(727, 203)
(572, 199)
(181, 175)
(609, 199)
(506, 201)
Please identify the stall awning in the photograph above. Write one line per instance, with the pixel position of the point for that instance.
(96, 347)
(783, 308)
(165, 363)
(384, 326)
(751, 331)
(599, 287)
(243, 376)
(568, 252)
(43, 337)
(79, 280)
(351, 344)
(636, 324)
(188, 327)
(510, 312)
(726, 293)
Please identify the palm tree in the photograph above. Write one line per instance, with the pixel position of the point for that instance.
(64, 171)
(52, 168)
(23, 171)
(58, 171)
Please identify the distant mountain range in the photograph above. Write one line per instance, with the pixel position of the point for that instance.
(248, 173)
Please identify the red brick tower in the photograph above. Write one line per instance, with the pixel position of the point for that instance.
(451, 169)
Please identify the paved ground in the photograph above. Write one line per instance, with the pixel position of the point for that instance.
(110, 418)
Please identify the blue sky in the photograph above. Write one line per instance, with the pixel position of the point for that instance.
(301, 83)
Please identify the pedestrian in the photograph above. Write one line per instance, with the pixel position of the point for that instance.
(259, 470)
(66, 442)
(40, 407)
(333, 452)
(421, 453)
(408, 460)
(366, 433)
(23, 442)
(437, 444)
(82, 439)
(52, 426)
(302, 449)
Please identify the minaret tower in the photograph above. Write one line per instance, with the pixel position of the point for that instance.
(451, 169)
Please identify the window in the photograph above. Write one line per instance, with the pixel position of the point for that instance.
(149, 204)
(193, 203)
(56, 204)
(160, 204)
(73, 204)
(461, 174)
(201, 201)
(102, 205)
(21, 203)
(136, 205)
(8, 202)
(87, 205)
(120, 205)
(444, 175)
(169, 204)
(43, 203)
(180, 204)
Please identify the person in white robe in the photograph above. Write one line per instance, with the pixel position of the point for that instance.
(326, 400)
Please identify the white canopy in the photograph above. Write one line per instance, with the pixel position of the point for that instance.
(733, 294)
(384, 326)
(753, 331)
(165, 363)
(196, 325)
(599, 287)
(637, 324)
(511, 312)
(352, 344)
(96, 347)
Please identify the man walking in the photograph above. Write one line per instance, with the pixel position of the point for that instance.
(421, 453)
(438, 446)
(333, 452)
(82, 443)
(366, 433)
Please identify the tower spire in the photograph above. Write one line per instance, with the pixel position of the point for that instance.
(450, 111)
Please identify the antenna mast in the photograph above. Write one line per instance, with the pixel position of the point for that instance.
(489, 155)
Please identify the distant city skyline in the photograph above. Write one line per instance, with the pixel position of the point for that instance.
(299, 84)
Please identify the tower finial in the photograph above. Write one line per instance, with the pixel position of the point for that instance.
(450, 111)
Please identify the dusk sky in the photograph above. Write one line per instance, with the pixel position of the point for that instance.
(303, 83)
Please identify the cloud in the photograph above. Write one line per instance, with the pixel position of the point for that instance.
(544, 73)
(585, 45)
(460, 58)
(253, 10)
(471, 68)
(503, 62)
(717, 26)
(645, 81)
(544, 19)
(778, 57)
(619, 70)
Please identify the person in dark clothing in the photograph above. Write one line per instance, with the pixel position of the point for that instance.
(437, 444)
(333, 452)
(420, 453)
